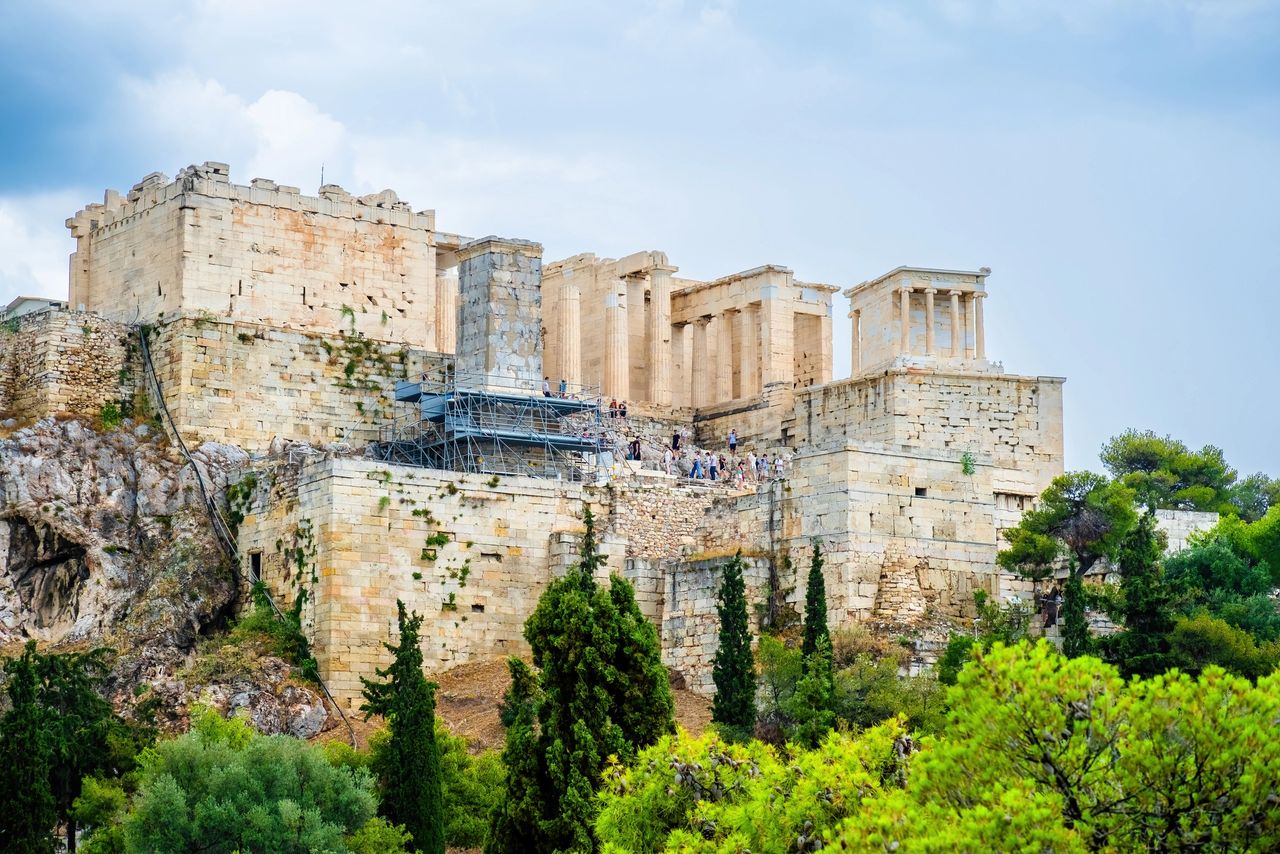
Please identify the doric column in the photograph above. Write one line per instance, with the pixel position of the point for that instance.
(928, 321)
(856, 317)
(447, 310)
(980, 333)
(724, 356)
(957, 331)
(904, 344)
(968, 324)
(748, 345)
(680, 380)
(699, 381)
(659, 335)
(570, 332)
(616, 350)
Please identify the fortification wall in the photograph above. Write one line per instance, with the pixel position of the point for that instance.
(471, 555)
(246, 383)
(1015, 420)
(262, 253)
(64, 362)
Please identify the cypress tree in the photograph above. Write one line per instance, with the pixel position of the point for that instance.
(515, 823)
(815, 608)
(1146, 606)
(409, 768)
(29, 813)
(602, 690)
(734, 705)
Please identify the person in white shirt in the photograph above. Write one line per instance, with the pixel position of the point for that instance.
(751, 465)
(668, 459)
(777, 465)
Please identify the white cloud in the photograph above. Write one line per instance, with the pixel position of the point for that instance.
(34, 244)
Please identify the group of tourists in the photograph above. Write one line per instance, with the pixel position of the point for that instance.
(706, 465)
(563, 391)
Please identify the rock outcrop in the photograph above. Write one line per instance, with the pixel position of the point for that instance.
(104, 541)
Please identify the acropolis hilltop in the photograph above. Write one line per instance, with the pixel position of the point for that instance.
(386, 379)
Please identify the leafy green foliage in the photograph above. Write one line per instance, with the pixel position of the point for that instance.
(27, 749)
(224, 788)
(1040, 753)
(1144, 605)
(1165, 474)
(472, 787)
(1202, 640)
(110, 416)
(70, 732)
(601, 690)
(812, 706)
(408, 768)
(815, 606)
(733, 669)
(996, 622)
(1084, 516)
(707, 795)
(1253, 496)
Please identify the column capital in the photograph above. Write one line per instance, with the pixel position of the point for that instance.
(663, 268)
(931, 291)
(955, 293)
(906, 289)
(978, 294)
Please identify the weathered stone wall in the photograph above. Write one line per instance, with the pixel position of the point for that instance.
(1017, 421)
(1179, 525)
(262, 254)
(500, 322)
(64, 362)
(245, 383)
(659, 522)
(472, 556)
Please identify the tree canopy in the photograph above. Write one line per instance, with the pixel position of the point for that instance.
(1165, 474)
(733, 670)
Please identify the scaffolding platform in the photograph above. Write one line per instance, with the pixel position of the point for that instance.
(480, 424)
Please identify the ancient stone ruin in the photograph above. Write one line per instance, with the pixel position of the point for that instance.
(283, 324)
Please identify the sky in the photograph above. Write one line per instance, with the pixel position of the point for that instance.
(1115, 162)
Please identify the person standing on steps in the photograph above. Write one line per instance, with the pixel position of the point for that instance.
(778, 465)
(695, 473)
(675, 440)
(751, 465)
(733, 441)
(613, 408)
(546, 386)
(622, 409)
(564, 388)
(712, 465)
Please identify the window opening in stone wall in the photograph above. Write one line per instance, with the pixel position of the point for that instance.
(921, 492)
(477, 608)
(255, 565)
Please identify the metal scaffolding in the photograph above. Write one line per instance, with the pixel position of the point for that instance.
(482, 424)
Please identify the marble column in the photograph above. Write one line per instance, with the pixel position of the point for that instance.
(724, 356)
(968, 325)
(616, 339)
(700, 384)
(749, 347)
(904, 344)
(856, 338)
(570, 333)
(957, 330)
(980, 332)
(929, 347)
(447, 310)
(680, 380)
(659, 335)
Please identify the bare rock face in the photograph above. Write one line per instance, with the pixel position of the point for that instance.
(104, 540)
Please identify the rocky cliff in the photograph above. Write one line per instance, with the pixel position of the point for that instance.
(104, 541)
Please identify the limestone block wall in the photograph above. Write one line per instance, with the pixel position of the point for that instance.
(470, 555)
(1015, 420)
(247, 383)
(500, 321)
(691, 626)
(73, 362)
(1179, 525)
(657, 521)
(262, 253)
(905, 533)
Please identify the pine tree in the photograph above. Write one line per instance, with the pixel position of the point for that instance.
(409, 768)
(29, 813)
(734, 705)
(815, 607)
(602, 690)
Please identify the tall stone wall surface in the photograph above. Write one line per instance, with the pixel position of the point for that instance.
(1179, 525)
(500, 319)
(659, 522)
(247, 384)
(1017, 421)
(470, 555)
(262, 253)
(65, 362)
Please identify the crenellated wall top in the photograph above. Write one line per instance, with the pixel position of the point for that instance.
(213, 180)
